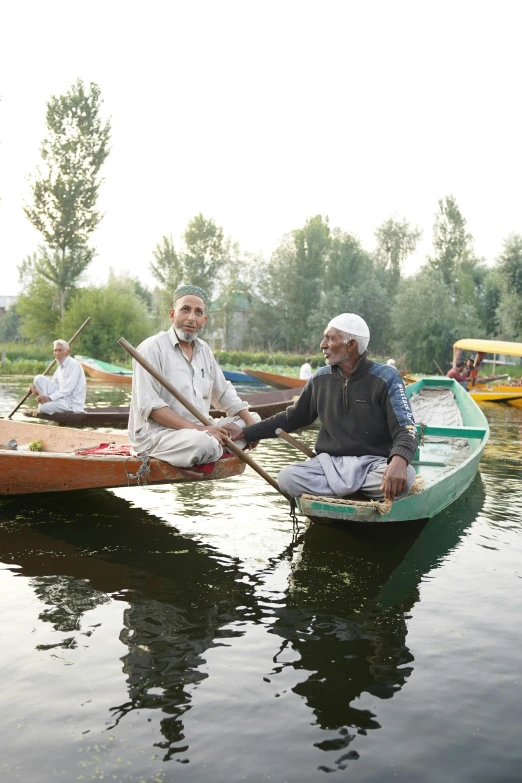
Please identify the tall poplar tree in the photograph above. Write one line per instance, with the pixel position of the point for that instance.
(65, 186)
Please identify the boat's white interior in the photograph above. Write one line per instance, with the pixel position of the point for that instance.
(55, 439)
(438, 406)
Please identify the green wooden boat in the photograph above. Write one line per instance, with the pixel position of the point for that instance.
(453, 432)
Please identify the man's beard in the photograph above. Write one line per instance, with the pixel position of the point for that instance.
(185, 337)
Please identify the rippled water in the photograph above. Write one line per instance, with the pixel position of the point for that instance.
(189, 633)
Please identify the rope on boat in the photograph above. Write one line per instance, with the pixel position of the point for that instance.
(143, 472)
(293, 516)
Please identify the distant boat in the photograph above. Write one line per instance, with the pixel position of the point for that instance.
(266, 404)
(239, 377)
(113, 373)
(103, 371)
(58, 468)
(446, 461)
(277, 381)
(500, 392)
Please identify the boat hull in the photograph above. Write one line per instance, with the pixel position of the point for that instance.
(90, 417)
(238, 377)
(266, 404)
(436, 496)
(277, 381)
(58, 469)
(488, 395)
(93, 369)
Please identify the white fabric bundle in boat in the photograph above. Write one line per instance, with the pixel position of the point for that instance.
(436, 405)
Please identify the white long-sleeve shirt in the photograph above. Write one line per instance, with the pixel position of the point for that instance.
(201, 381)
(69, 380)
(305, 372)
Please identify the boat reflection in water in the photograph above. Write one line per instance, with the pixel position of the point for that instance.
(344, 612)
(94, 548)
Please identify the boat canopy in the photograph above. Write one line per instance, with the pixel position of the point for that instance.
(489, 346)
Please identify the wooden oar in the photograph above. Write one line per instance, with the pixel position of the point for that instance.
(295, 443)
(48, 369)
(195, 412)
(438, 367)
(492, 379)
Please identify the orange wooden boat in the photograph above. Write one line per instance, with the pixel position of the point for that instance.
(57, 468)
(102, 371)
(277, 381)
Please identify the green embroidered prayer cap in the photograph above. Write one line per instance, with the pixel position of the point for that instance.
(189, 290)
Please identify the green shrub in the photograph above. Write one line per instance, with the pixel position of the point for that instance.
(18, 351)
(269, 361)
(30, 367)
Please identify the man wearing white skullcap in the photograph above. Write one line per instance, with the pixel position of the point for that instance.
(159, 425)
(367, 437)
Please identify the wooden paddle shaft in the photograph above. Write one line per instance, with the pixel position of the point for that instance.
(295, 443)
(50, 367)
(438, 367)
(198, 415)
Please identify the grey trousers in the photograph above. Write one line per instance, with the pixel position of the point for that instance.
(310, 478)
(184, 448)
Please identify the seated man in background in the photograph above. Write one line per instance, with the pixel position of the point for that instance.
(458, 375)
(367, 437)
(159, 426)
(66, 390)
(305, 371)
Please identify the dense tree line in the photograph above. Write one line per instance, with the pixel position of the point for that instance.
(316, 272)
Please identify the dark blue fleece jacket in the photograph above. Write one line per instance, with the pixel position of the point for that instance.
(367, 413)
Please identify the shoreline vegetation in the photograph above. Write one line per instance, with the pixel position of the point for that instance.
(27, 360)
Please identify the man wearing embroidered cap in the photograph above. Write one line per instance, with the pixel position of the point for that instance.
(159, 426)
(367, 437)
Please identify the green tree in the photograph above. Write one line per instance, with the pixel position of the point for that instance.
(294, 282)
(207, 252)
(116, 311)
(427, 323)
(38, 305)
(10, 325)
(167, 266)
(509, 270)
(65, 187)
(452, 245)
(353, 283)
(396, 240)
(368, 297)
(346, 262)
(510, 264)
(202, 261)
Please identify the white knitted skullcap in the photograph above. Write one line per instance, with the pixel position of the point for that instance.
(391, 361)
(351, 324)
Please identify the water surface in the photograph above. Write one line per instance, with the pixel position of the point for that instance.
(191, 633)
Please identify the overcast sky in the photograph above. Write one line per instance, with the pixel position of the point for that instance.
(261, 114)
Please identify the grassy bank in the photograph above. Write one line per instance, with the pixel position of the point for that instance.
(30, 359)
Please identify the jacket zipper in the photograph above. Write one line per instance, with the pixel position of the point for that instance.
(345, 395)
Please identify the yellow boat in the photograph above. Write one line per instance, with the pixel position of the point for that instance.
(499, 393)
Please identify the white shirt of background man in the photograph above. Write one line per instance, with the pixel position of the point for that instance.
(69, 380)
(305, 372)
